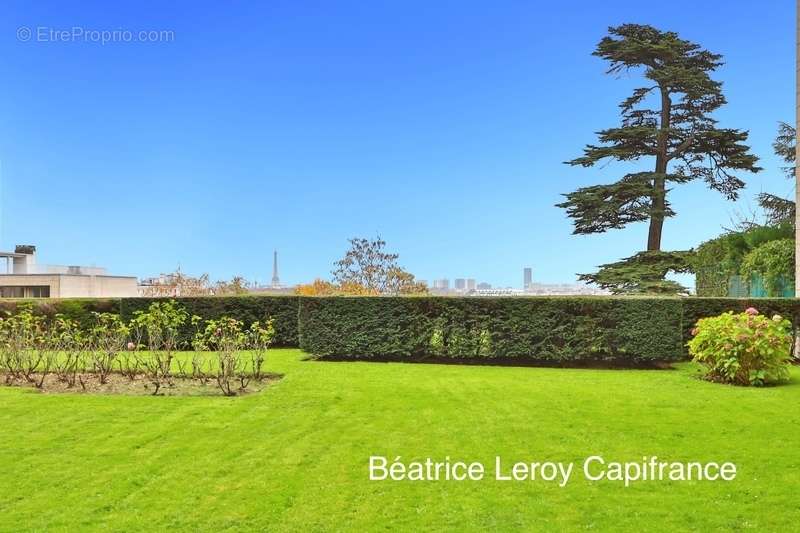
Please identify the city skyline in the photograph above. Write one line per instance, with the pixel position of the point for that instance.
(460, 285)
(467, 286)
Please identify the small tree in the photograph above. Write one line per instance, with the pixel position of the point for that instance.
(238, 285)
(318, 287)
(401, 282)
(367, 268)
(177, 284)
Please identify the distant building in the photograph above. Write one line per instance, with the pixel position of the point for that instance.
(564, 289)
(497, 291)
(543, 289)
(470, 284)
(441, 284)
(24, 278)
(461, 284)
(527, 278)
(483, 286)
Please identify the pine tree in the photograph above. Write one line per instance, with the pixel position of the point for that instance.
(780, 210)
(668, 120)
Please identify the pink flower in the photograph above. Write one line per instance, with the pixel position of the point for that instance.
(751, 311)
(695, 331)
(131, 346)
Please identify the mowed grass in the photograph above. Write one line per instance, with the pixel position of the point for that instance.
(295, 457)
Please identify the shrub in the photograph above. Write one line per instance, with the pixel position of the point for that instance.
(774, 260)
(717, 260)
(159, 326)
(743, 348)
(246, 309)
(696, 308)
(79, 310)
(535, 329)
(106, 340)
(227, 338)
(34, 346)
(23, 340)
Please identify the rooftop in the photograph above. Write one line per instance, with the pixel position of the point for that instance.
(22, 261)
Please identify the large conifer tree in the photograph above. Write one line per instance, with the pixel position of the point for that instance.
(668, 122)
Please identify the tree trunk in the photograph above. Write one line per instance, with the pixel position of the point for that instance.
(657, 218)
(658, 200)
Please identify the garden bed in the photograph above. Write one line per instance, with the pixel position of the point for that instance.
(135, 385)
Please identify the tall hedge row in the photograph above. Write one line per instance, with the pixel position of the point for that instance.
(546, 329)
(557, 329)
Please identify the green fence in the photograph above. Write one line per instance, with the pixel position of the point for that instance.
(739, 288)
(717, 283)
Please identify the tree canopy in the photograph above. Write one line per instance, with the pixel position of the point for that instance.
(669, 121)
(366, 269)
(780, 210)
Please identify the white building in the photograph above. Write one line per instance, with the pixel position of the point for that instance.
(24, 278)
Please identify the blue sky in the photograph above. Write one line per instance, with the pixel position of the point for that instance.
(295, 125)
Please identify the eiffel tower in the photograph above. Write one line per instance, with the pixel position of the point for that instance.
(276, 281)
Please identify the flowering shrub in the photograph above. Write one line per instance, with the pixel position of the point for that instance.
(744, 349)
(228, 337)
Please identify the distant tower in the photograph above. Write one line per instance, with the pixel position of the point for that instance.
(276, 281)
(527, 278)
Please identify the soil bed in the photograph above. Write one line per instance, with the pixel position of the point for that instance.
(139, 385)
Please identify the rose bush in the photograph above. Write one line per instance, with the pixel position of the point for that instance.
(743, 349)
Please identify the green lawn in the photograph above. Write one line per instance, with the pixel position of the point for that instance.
(295, 456)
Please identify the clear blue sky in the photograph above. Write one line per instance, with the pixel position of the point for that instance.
(295, 125)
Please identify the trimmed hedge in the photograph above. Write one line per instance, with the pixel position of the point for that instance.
(283, 309)
(633, 330)
(545, 329)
